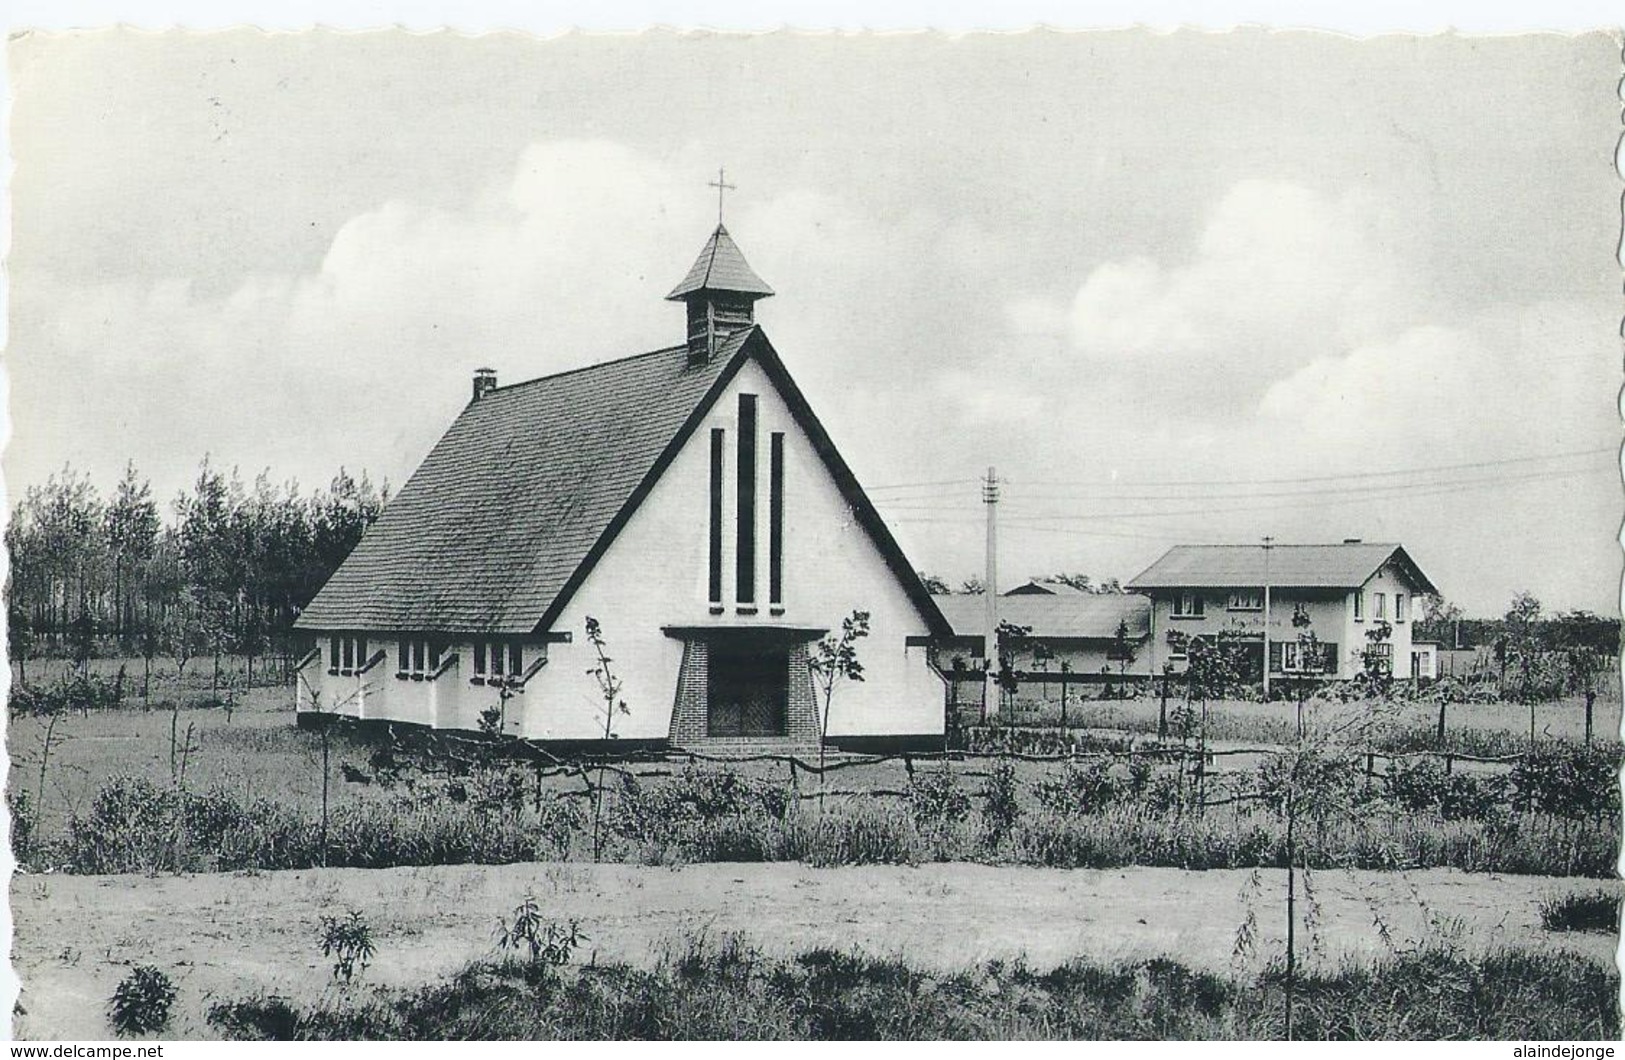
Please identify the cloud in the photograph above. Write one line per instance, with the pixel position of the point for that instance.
(1511, 382)
(1278, 275)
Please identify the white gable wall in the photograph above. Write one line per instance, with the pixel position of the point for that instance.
(1388, 580)
(656, 574)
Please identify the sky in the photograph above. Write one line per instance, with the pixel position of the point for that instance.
(1175, 288)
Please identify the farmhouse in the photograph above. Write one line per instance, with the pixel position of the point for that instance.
(1253, 591)
(689, 500)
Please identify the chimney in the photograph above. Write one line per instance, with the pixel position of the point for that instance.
(720, 292)
(485, 381)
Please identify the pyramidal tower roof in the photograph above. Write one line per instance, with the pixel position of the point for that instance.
(721, 267)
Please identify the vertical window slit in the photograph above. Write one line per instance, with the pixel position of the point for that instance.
(775, 520)
(745, 549)
(716, 515)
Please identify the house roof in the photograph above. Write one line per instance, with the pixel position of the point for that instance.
(512, 508)
(1345, 566)
(721, 266)
(1034, 587)
(1082, 616)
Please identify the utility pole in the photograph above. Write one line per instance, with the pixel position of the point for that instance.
(990, 591)
(1269, 542)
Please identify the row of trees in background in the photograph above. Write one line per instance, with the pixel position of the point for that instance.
(224, 570)
(1443, 622)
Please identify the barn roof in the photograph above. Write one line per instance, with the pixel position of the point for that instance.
(511, 509)
(1082, 616)
(721, 266)
(1345, 566)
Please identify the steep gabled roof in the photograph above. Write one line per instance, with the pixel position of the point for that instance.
(721, 266)
(512, 508)
(1345, 566)
(1083, 616)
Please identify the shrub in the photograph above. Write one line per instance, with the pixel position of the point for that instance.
(935, 800)
(348, 941)
(1588, 911)
(1000, 809)
(1565, 780)
(1079, 789)
(549, 944)
(141, 1001)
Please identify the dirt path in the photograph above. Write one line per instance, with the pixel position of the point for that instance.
(226, 935)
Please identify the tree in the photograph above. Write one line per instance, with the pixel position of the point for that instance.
(1377, 660)
(1522, 644)
(1012, 641)
(1121, 649)
(835, 659)
(933, 584)
(19, 638)
(132, 537)
(1310, 654)
(972, 586)
(1080, 582)
(1439, 622)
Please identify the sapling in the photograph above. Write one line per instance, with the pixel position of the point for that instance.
(609, 687)
(348, 941)
(832, 660)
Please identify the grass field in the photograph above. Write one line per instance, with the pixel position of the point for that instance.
(1240, 721)
(229, 935)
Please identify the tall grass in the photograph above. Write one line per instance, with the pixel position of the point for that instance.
(731, 991)
(1075, 820)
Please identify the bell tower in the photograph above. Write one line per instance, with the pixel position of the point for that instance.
(720, 290)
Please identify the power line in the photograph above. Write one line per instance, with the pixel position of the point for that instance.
(1359, 475)
(1405, 491)
(946, 482)
(1375, 489)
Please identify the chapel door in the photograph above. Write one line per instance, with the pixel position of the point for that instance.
(749, 688)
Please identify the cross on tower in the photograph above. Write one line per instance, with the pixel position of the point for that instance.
(722, 186)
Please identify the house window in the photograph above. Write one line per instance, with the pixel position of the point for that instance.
(745, 546)
(1247, 600)
(1381, 606)
(1384, 653)
(1359, 605)
(1189, 605)
(347, 654)
(1401, 608)
(775, 519)
(716, 515)
(1295, 657)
